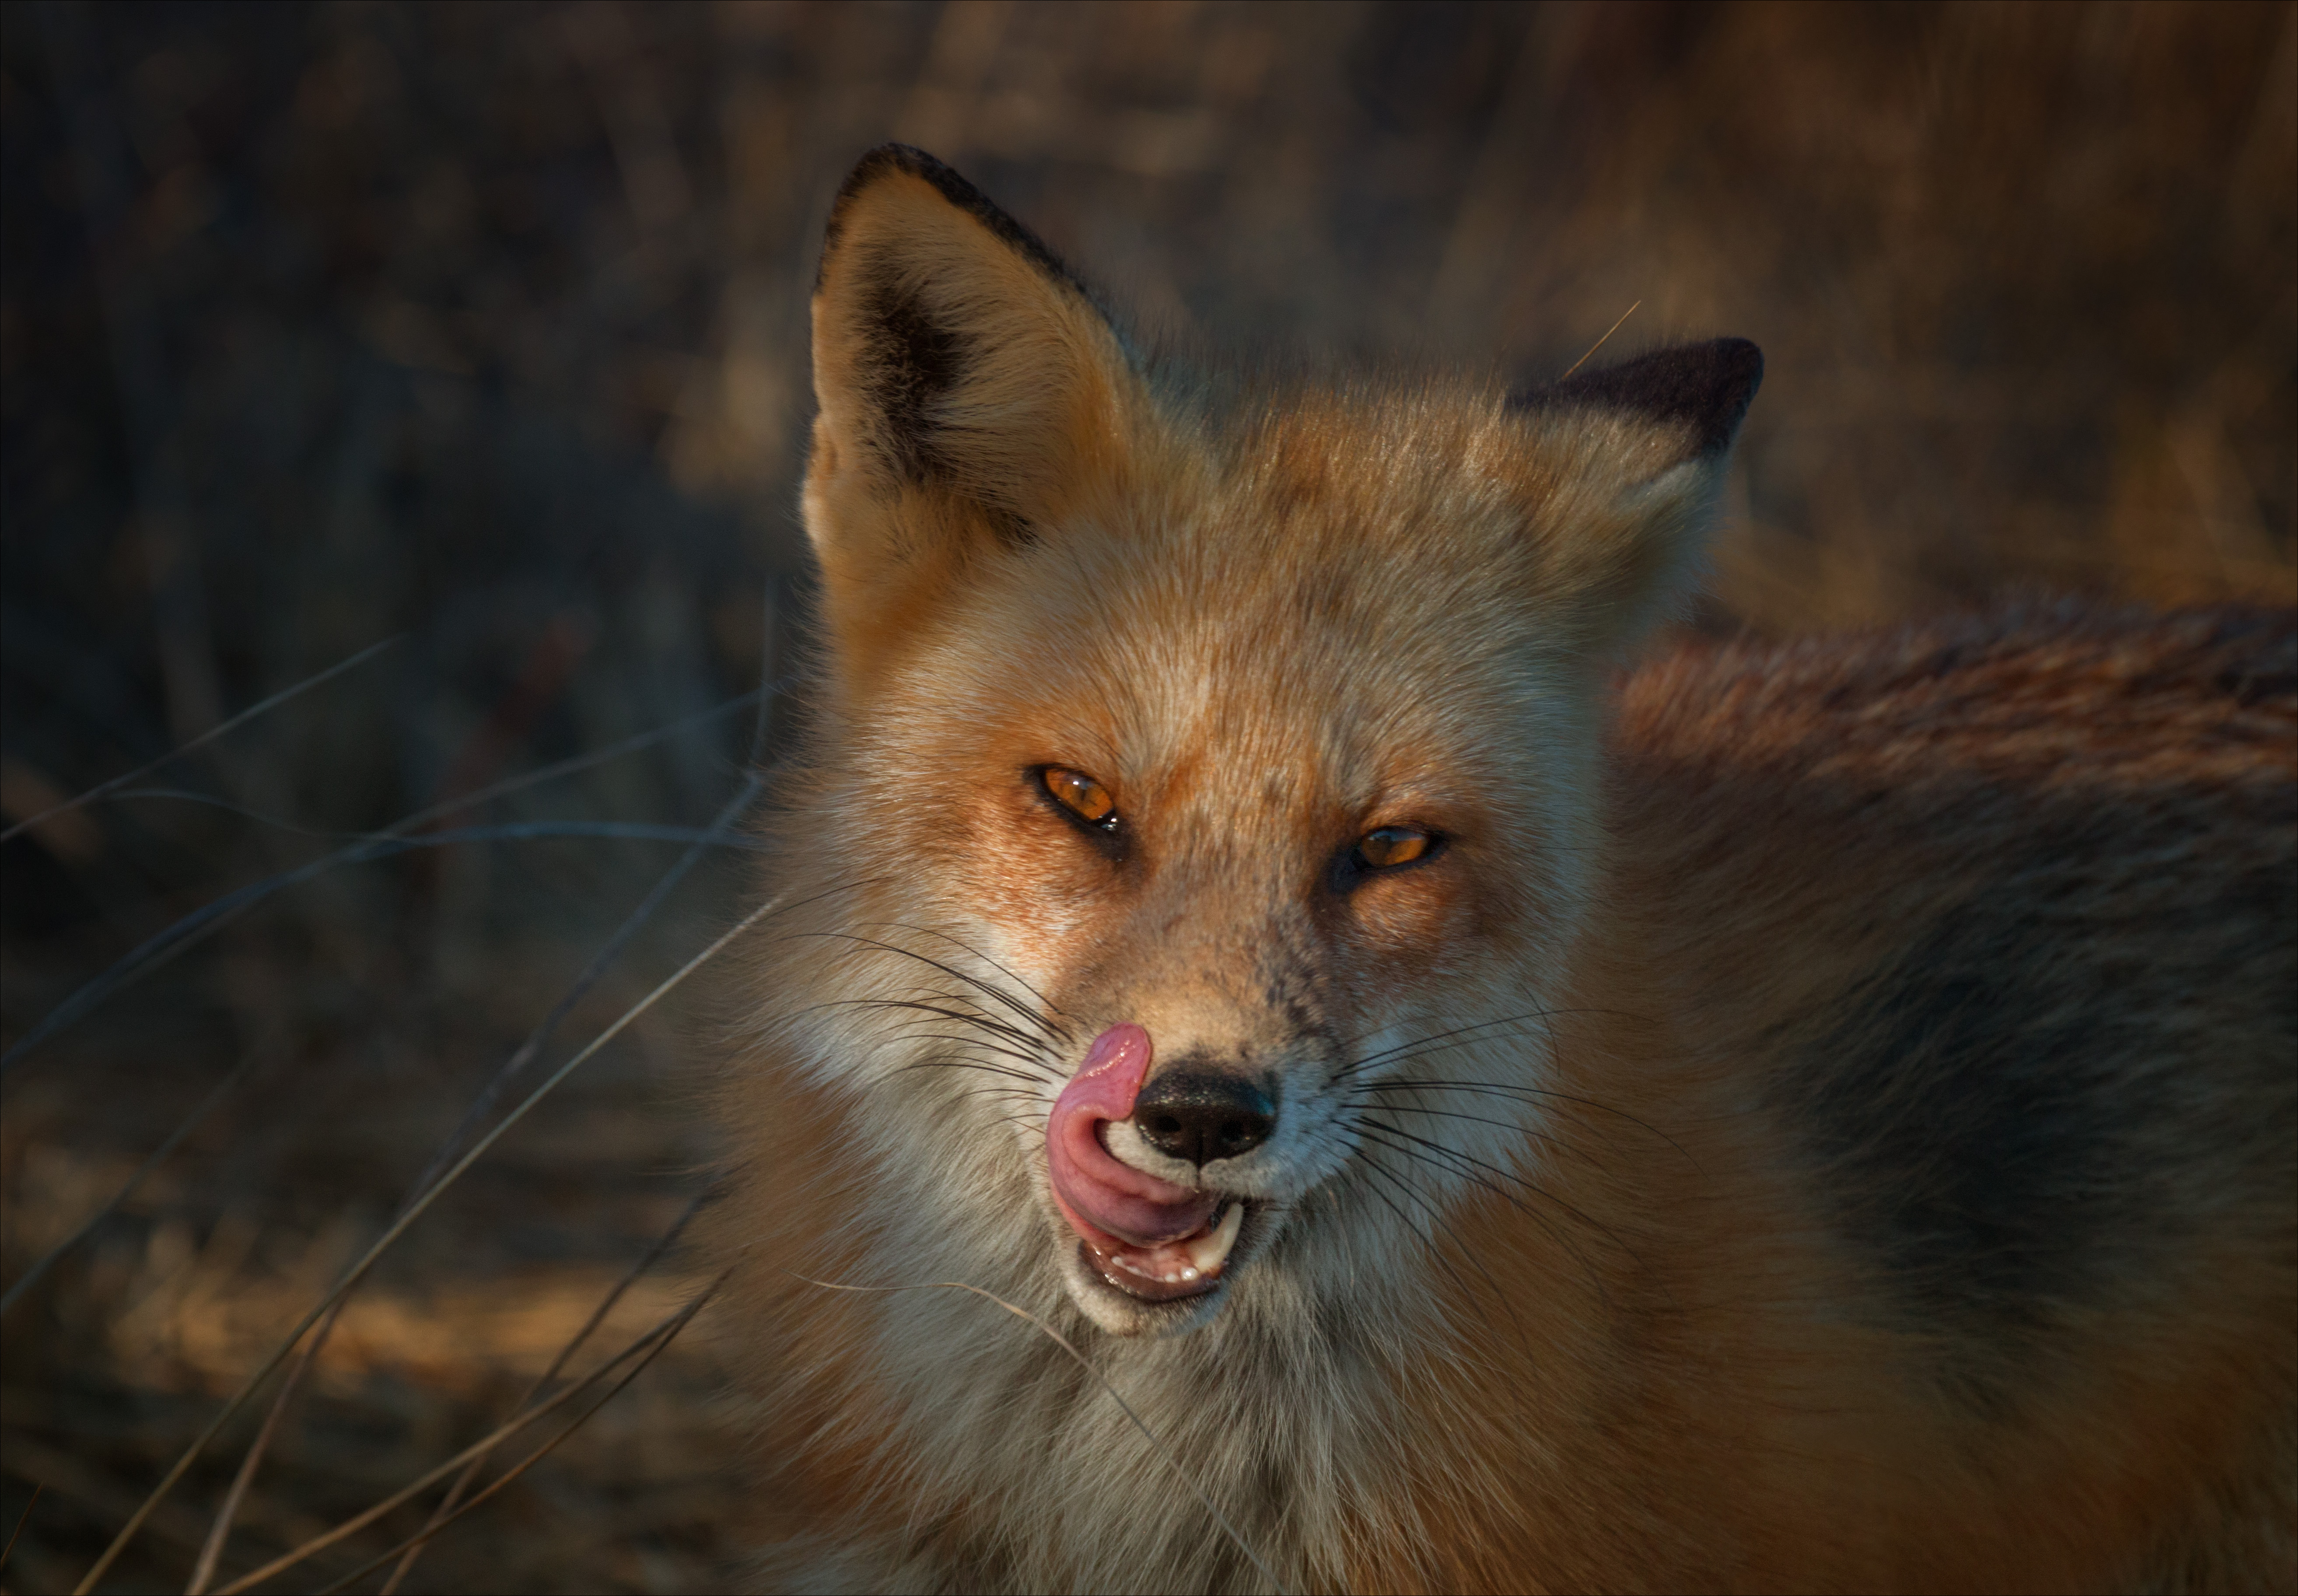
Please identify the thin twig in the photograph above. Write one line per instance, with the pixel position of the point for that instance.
(216, 1094)
(219, 1533)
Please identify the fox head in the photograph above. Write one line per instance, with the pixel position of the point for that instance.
(1205, 781)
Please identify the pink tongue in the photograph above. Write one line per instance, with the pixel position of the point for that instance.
(1095, 1192)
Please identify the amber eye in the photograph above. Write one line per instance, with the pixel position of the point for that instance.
(1392, 845)
(1081, 796)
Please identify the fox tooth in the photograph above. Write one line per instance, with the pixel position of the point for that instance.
(1209, 1251)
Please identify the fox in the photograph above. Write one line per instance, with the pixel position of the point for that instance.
(1303, 1038)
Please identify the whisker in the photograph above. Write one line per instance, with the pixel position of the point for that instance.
(1437, 1248)
(1405, 1047)
(1028, 1073)
(1040, 1020)
(1529, 1133)
(947, 1063)
(1525, 1094)
(969, 1015)
(1034, 1060)
(1051, 1006)
(872, 942)
(1554, 1234)
(1497, 1173)
(983, 1022)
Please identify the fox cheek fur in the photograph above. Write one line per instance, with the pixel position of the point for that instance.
(1761, 1119)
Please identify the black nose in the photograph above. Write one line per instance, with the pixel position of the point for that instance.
(1202, 1115)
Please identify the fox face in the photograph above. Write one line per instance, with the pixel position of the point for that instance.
(1210, 776)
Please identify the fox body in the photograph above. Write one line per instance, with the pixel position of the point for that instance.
(1490, 1114)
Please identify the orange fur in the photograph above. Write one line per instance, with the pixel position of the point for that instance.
(1824, 1116)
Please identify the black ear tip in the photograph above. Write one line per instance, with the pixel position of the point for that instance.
(1707, 386)
(947, 181)
(1740, 360)
(898, 157)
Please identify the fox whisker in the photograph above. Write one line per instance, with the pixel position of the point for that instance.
(1546, 1138)
(1491, 1174)
(980, 1023)
(1410, 1049)
(1009, 1001)
(1524, 1094)
(1033, 1058)
(1438, 1244)
(1486, 1184)
(1060, 1032)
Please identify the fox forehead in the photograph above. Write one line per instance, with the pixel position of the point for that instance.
(1237, 694)
(1363, 620)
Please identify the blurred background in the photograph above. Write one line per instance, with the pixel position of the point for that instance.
(479, 332)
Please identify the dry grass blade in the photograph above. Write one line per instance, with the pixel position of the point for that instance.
(394, 839)
(213, 916)
(445, 1512)
(1061, 1341)
(41, 1265)
(211, 1552)
(408, 1547)
(23, 1519)
(219, 1533)
(648, 1344)
(102, 789)
(398, 1228)
(1599, 343)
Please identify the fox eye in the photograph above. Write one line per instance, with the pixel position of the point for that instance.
(1081, 796)
(1392, 845)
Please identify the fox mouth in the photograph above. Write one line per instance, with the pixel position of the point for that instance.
(1153, 1240)
(1188, 1266)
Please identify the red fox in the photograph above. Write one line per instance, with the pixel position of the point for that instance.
(1484, 1114)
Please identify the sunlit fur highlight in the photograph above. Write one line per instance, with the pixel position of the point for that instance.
(1579, 1269)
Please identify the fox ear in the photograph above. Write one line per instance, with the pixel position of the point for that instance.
(1634, 456)
(968, 389)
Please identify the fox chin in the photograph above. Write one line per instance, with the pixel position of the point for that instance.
(1294, 1046)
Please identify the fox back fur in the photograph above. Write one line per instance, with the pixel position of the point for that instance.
(1822, 1116)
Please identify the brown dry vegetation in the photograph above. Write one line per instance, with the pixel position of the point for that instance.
(485, 327)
